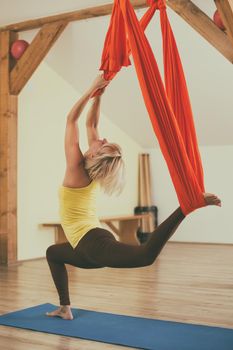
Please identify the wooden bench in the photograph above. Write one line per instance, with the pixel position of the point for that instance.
(125, 227)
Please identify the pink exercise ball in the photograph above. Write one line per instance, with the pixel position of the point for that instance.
(218, 21)
(18, 48)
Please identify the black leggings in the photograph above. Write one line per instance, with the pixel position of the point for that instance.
(99, 248)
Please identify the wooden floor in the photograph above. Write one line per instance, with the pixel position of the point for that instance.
(190, 283)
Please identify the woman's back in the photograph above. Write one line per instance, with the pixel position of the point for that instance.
(78, 212)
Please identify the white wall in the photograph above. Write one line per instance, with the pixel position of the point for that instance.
(43, 106)
(209, 224)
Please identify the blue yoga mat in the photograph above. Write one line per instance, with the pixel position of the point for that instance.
(137, 332)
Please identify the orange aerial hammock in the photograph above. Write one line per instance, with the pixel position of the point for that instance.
(168, 107)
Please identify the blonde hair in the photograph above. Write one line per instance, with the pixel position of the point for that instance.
(107, 167)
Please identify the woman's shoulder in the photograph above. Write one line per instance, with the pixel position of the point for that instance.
(76, 178)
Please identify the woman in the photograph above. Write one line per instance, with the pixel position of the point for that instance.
(90, 246)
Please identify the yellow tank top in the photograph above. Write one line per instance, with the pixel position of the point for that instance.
(78, 212)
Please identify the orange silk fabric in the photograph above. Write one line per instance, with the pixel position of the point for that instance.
(168, 107)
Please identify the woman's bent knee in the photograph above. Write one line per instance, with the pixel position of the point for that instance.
(50, 252)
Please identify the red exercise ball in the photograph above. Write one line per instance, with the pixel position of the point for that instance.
(218, 21)
(18, 48)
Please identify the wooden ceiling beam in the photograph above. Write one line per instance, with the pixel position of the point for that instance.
(225, 8)
(78, 15)
(196, 18)
(34, 55)
(204, 25)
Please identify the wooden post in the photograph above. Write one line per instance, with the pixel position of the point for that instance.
(8, 157)
(13, 78)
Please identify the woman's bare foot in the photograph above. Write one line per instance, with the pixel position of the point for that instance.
(63, 312)
(212, 199)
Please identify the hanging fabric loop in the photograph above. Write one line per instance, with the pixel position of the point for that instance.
(168, 107)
